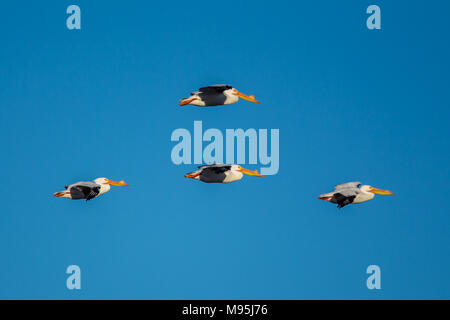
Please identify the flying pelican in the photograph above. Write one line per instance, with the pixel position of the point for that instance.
(88, 189)
(216, 95)
(221, 173)
(352, 192)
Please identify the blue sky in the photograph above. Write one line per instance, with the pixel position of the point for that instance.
(350, 104)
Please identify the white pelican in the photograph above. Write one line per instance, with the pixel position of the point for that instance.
(216, 95)
(352, 192)
(221, 173)
(88, 189)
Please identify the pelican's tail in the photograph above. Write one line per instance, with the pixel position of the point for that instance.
(186, 101)
(192, 175)
(62, 194)
(325, 196)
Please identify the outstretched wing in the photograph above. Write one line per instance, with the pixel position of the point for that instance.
(347, 185)
(217, 88)
(94, 192)
(214, 173)
(216, 168)
(220, 169)
(84, 192)
(343, 200)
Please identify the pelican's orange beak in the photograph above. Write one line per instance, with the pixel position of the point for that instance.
(380, 191)
(324, 198)
(250, 98)
(250, 173)
(121, 183)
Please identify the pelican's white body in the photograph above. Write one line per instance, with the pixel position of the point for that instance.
(104, 186)
(233, 175)
(230, 175)
(103, 182)
(230, 98)
(364, 195)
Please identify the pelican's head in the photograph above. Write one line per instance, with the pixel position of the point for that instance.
(106, 181)
(238, 168)
(367, 188)
(250, 98)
